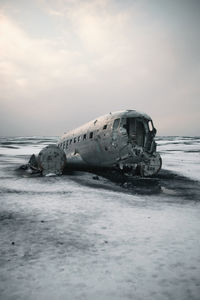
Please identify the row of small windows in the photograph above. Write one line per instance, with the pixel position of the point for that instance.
(78, 139)
(75, 140)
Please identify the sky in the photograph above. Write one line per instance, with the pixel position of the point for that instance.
(66, 62)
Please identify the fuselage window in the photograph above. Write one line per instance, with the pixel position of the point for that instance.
(79, 138)
(105, 126)
(84, 136)
(75, 140)
(91, 135)
(116, 124)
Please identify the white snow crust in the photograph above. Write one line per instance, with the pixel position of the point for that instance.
(73, 237)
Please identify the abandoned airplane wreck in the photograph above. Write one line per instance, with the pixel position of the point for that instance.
(123, 140)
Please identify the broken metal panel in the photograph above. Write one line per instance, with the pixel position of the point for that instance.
(151, 167)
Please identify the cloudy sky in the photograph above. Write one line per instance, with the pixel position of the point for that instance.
(65, 62)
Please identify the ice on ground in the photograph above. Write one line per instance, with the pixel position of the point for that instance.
(73, 237)
(181, 155)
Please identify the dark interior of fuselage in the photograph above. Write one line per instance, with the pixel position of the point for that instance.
(135, 130)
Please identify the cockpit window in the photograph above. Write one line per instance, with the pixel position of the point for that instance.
(150, 125)
(123, 126)
(116, 124)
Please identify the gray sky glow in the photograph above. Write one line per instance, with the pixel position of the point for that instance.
(65, 62)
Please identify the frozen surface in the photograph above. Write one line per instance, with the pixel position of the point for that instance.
(73, 237)
(181, 154)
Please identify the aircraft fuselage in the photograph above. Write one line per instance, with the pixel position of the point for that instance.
(124, 140)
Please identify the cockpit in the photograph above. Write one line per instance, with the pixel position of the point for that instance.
(139, 131)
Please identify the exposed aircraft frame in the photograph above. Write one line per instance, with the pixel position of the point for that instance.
(121, 140)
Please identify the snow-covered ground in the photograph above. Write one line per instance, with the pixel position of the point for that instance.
(181, 155)
(75, 237)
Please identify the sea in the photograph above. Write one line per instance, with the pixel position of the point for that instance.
(94, 236)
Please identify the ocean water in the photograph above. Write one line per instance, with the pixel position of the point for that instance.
(76, 237)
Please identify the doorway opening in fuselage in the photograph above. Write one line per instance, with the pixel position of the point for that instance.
(136, 131)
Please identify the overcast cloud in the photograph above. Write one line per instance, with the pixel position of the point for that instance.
(65, 62)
